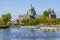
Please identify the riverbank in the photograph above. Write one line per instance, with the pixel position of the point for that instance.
(3, 27)
(30, 26)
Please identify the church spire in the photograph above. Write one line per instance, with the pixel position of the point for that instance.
(49, 10)
(53, 11)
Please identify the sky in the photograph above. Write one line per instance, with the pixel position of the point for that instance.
(17, 7)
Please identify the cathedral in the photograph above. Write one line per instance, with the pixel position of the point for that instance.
(31, 13)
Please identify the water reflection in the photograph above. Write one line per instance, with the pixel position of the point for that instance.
(27, 34)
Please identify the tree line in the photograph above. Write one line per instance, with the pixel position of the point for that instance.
(43, 19)
(4, 19)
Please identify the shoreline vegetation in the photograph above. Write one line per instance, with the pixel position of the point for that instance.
(43, 20)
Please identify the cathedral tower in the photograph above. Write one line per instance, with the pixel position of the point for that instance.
(31, 12)
(52, 13)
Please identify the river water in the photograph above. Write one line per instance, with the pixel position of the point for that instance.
(27, 34)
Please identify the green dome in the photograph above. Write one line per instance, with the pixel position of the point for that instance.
(31, 11)
(31, 8)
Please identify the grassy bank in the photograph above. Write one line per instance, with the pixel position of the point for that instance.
(4, 26)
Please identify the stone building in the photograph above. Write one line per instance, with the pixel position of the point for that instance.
(31, 13)
(52, 13)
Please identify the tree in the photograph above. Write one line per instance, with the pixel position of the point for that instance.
(37, 21)
(46, 13)
(23, 22)
(31, 22)
(8, 16)
(50, 21)
(57, 21)
(5, 18)
(42, 19)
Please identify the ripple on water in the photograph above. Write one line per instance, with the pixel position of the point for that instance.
(19, 34)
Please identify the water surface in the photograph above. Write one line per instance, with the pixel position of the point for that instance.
(27, 34)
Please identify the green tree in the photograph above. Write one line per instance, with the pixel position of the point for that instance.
(46, 13)
(57, 21)
(8, 16)
(50, 21)
(31, 21)
(23, 22)
(42, 19)
(37, 21)
(5, 18)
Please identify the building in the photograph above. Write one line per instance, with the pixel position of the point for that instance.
(31, 13)
(52, 13)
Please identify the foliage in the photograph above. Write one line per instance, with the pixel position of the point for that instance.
(50, 21)
(43, 19)
(3, 25)
(31, 22)
(46, 13)
(5, 17)
(57, 21)
(8, 16)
